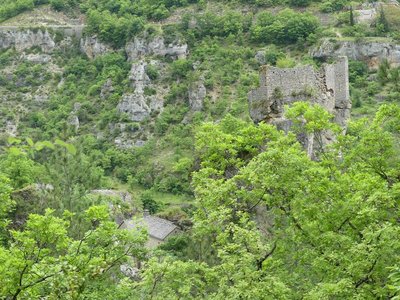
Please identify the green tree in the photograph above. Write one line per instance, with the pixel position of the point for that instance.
(149, 203)
(286, 27)
(383, 72)
(301, 3)
(351, 16)
(43, 261)
(382, 23)
(6, 206)
(280, 225)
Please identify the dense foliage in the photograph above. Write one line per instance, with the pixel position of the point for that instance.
(274, 224)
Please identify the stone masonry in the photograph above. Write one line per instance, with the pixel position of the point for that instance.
(328, 87)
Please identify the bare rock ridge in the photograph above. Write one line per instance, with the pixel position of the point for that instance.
(155, 46)
(25, 39)
(92, 47)
(138, 105)
(197, 94)
(372, 52)
(328, 87)
(22, 39)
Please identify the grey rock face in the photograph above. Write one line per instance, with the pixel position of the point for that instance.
(371, 52)
(74, 121)
(138, 75)
(92, 47)
(260, 57)
(137, 105)
(328, 87)
(197, 93)
(38, 58)
(366, 15)
(25, 39)
(124, 196)
(106, 89)
(11, 128)
(131, 272)
(157, 46)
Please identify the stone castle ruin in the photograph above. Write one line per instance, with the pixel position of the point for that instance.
(328, 87)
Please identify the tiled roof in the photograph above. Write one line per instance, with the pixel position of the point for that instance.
(157, 228)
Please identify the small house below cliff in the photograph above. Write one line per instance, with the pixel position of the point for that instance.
(159, 229)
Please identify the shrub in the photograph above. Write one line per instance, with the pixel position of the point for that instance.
(285, 28)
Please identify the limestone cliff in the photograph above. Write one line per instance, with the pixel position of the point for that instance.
(155, 46)
(138, 105)
(371, 52)
(25, 39)
(92, 47)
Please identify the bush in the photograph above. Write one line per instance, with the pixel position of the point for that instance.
(357, 69)
(285, 28)
(333, 5)
(180, 68)
(301, 3)
(152, 72)
(149, 203)
(112, 28)
(285, 62)
(57, 4)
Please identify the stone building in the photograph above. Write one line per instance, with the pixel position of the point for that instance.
(159, 229)
(328, 87)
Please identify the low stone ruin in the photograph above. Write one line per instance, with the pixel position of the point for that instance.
(328, 87)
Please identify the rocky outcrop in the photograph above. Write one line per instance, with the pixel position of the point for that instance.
(73, 119)
(38, 58)
(197, 94)
(138, 76)
(26, 39)
(328, 87)
(365, 15)
(138, 105)
(371, 52)
(156, 46)
(106, 89)
(260, 57)
(11, 128)
(92, 47)
(135, 106)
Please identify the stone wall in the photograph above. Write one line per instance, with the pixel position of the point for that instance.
(328, 87)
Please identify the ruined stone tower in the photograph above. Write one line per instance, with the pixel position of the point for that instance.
(328, 87)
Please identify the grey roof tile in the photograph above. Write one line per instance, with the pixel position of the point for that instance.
(157, 227)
